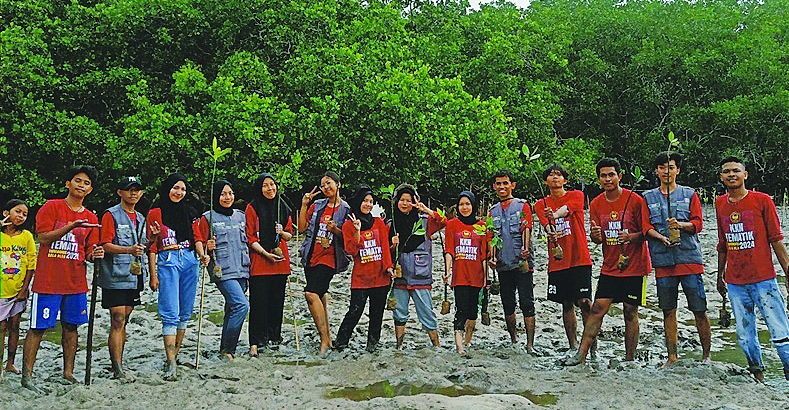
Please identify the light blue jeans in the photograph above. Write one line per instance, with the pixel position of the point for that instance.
(423, 302)
(767, 296)
(177, 272)
(236, 309)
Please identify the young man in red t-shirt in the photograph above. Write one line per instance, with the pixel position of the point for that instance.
(68, 237)
(748, 227)
(619, 218)
(569, 263)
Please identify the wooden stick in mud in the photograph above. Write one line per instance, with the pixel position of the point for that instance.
(200, 316)
(92, 318)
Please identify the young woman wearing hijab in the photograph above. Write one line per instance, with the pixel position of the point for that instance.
(414, 255)
(172, 264)
(229, 246)
(322, 252)
(367, 240)
(269, 228)
(465, 252)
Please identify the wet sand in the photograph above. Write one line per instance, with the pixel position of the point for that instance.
(497, 374)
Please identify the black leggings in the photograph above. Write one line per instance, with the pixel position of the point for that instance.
(466, 303)
(266, 302)
(358, 299)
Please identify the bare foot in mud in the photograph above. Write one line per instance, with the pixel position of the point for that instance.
(253, 351)
(759, 376)
(322, 352)
(669, 362)
(10, 368)
(573, 360)
(70, 379)
(27, 382)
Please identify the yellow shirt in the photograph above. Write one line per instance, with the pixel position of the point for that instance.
(18, 256)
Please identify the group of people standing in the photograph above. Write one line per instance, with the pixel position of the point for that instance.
(247, 250)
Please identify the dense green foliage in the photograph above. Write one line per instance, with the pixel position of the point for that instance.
(384, 92)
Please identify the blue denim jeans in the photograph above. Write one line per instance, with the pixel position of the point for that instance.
(423, 302)
(177, 272)
(236, 309)
(767, 297)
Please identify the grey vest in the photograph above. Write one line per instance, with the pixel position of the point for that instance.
(115, 266)
(689, 250)
(341, 258)
(232, 252)
(508, 225)
(417, 265)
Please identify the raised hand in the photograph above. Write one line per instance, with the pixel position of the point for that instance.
(423, 208)
(356, 223)
(305, 200)
(155, 229)
(596, 231)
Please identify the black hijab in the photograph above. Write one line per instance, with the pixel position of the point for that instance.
(355, 203)
(266, 209)
(404, 223)
(218, 187)
(471, 219)
(176, 215)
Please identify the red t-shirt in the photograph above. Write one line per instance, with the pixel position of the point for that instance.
(468, 250)
(259, 264)
(371, 255)
(745, 230)
(108, 226)
(571, 228)
(321, 255)
(166, 239)
(608, 215)
(684, 268)
(60, 268)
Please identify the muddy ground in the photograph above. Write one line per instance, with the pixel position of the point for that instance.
(497, 374)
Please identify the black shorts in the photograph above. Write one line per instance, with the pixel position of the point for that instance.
(318, 279)
(571, 284)
(628, 289)
(111, 298)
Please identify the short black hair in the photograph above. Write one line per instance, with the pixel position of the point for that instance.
(502, 173)
(665, 156)
(608, 162)
(83, 169)
(13, 203)
(331, 174)
(732, 158)
(555, 167)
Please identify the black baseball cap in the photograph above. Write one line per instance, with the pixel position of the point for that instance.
(128, 182)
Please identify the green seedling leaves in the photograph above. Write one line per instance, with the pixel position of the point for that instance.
(215, 152)
(637, 176)
(480, 230)
(673, 141)
(441, 213)
(527, 152)
(387, 192)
